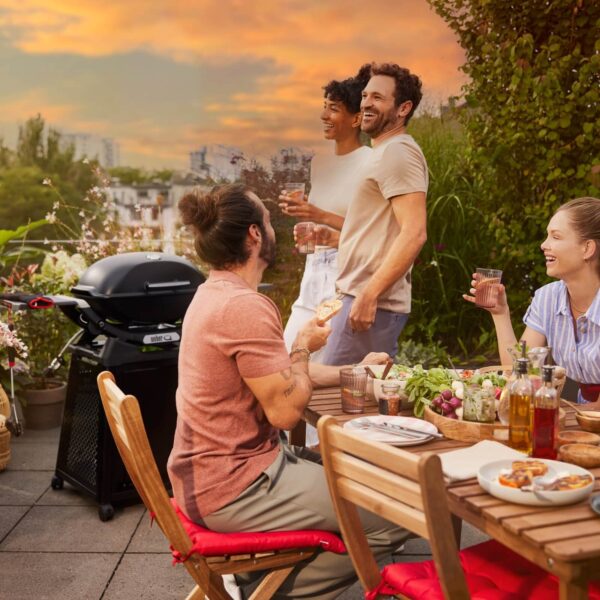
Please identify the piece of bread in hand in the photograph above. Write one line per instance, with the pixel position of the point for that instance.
(328, 309)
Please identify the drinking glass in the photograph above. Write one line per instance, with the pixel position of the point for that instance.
(295, 191)
(353, 382)
(305, 237)
(487, 280)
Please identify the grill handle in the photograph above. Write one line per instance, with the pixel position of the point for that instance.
(166, 285)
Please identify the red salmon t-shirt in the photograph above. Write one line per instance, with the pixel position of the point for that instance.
(223, 440)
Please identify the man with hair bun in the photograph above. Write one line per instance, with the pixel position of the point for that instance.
(239, 387)
(386, 223)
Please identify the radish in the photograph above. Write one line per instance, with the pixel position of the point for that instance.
(455, 402)
(447, 394)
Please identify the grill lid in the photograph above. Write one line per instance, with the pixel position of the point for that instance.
(140, 287)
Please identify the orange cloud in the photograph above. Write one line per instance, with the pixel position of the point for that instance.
(308, 41)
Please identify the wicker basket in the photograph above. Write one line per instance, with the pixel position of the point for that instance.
(4, 433)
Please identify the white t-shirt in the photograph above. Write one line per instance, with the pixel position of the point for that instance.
(334, 179)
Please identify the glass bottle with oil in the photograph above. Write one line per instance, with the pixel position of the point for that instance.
(545, 418)
(521, 409)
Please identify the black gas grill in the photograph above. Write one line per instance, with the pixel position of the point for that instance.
(130, 308)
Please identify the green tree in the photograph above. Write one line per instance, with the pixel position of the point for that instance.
(38, 157)
(532, 122)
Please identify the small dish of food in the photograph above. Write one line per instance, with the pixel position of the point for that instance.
(584, 455)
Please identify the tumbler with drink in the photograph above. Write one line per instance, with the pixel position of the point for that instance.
(485, 288)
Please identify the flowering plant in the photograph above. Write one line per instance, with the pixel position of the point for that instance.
(44, 332)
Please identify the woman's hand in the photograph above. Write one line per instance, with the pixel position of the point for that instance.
(321, 234)
(496, 297)
(299, 208)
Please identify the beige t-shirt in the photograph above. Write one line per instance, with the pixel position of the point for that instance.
(223, 440)
(396, 167)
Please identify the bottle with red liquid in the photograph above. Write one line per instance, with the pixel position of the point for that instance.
(545, 418)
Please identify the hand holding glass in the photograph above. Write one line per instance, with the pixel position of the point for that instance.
(486, 287)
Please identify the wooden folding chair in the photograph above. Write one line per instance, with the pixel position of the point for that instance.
(409, 490)
(127, 427)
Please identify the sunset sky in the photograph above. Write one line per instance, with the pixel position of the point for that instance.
(165, 77)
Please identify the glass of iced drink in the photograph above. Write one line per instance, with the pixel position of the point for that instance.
(353, 382)
(305, 238)
(487, 280)
(295, 191)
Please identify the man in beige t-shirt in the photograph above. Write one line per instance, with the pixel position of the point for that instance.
(385, 227)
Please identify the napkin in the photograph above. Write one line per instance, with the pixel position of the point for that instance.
(465, 463)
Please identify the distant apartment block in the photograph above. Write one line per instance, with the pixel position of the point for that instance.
(217, 162)
(291, 158)
(86, 145)
(152, 206)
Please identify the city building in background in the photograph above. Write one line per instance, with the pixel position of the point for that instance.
(152, 206)
(87, 145)
(217, 162)
(291, 158)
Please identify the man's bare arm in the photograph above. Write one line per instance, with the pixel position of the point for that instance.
(411, 215)
(284, 395)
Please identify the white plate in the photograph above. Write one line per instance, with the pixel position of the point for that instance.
(390, 438)
(488, 480)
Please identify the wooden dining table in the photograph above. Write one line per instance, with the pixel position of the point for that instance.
(563, 540)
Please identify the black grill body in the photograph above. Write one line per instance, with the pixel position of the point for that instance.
(87, 455)
(129, 307)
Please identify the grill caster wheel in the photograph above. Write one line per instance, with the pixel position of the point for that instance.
(57, 482)
(106, 512)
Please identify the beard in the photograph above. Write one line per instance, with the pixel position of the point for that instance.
(382, 123)
(268, 251)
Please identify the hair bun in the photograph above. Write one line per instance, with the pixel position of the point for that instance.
(199, 210)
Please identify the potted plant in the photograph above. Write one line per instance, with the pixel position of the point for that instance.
(42, 390)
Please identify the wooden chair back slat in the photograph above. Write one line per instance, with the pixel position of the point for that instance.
(377, 479)
(382, 456)
(383, 505)
(429, 517)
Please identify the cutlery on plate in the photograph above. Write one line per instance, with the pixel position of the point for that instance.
(412, 434)
(410, 429)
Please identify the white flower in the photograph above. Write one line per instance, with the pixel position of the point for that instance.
(86, 161)
(81, 213)
(56, 205)
(434, 263)
(47, 181)
(51, 217)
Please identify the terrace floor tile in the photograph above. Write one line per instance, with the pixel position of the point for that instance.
(23, 488)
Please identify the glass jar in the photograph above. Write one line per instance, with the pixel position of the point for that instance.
(389, 404)
(479, 404)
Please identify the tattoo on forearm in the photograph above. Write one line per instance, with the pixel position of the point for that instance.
(289, 390)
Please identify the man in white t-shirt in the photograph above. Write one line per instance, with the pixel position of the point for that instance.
(386, 223)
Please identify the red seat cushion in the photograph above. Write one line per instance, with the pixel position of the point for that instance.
(492, 571)
(212, 543)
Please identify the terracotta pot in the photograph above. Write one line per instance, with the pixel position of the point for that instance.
(43, 408)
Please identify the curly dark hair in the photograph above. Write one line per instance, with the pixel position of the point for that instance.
(408, 85)
(220, 220)
(348, 92)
